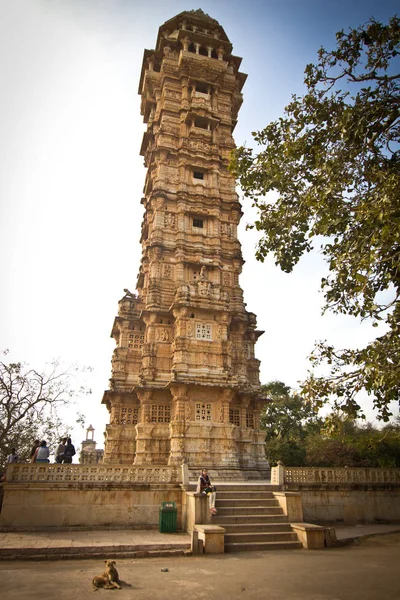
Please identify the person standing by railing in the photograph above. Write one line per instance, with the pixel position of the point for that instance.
(69, 452)
(33, 451)
(42, 453)
(13, 457)
(60, 450)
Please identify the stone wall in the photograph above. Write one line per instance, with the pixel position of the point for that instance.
(40, 496)
(348, 495)
(61, 496)
(58, 505)
(351, 503)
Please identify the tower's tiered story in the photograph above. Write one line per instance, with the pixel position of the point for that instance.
(185, 380)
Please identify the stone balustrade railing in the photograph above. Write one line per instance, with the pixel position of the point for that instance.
(54, 473)
(311, 475)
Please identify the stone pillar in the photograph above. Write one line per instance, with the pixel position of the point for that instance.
(278, 474)
(177, 425)
(143, 429)
(185, 475)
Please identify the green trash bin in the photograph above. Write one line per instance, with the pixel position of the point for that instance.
(167, 517)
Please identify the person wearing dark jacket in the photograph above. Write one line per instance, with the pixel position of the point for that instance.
(69, 452)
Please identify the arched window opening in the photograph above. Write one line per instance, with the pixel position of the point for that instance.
(201, 87)
(201, 122)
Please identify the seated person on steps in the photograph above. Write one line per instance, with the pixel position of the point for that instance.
(204, 487)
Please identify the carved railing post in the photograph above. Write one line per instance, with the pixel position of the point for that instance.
(278, 474)
(185, 475)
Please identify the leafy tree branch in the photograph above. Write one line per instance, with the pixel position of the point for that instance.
(334, 161)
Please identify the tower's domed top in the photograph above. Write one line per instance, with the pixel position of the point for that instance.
(200, 14)
(196, 20)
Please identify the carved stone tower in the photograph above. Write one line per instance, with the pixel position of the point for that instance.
(185, 382)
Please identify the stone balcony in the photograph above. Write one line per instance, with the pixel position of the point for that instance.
(198, 292)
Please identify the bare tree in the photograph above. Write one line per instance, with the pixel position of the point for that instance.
(29, 404)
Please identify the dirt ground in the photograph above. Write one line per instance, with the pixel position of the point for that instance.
(367, 571)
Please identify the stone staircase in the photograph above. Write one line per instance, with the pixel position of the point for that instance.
(253, 519)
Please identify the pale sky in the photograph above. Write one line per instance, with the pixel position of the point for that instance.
(71, 177)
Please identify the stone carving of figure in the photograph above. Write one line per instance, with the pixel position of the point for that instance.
(164, 335)
(183, 292)
(226, 278)
(203, 274)
(204, 288)
(189, 413)
(167, 271)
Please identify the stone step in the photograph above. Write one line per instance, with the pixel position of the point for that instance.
(256, 527)
(248, 502)
(221, 519)
(228, 495)
(275, 536)
(262, 546)
(259, 488)
(253, 519)
(74, 552)
(223, 487)
(250, 510)
(100, 555)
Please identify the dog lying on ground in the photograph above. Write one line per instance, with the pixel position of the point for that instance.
(109, 579)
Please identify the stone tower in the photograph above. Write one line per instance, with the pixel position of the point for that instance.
(185, 381)
(90, 455)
